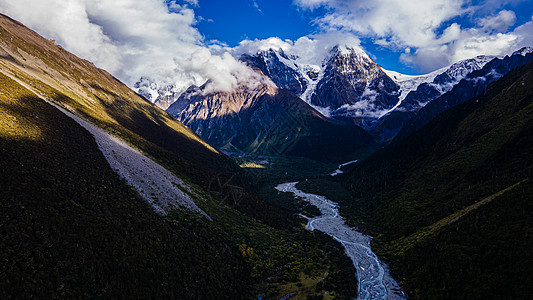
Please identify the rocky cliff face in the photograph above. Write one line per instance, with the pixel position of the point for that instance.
(443, 82)
(218, 116)
(348, 85)
(422, 92)
(280, 68)
(267, 121)
(354, 86)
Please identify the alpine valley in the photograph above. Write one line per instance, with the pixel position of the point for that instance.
(330, 178)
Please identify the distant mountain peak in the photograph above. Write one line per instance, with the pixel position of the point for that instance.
(346, 50)
(523, 51)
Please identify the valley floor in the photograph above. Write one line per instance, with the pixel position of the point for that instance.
(375, 281)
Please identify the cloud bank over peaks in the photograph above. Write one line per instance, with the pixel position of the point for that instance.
(132, 39)
(427, 29)
(224, 72)
(310, 49)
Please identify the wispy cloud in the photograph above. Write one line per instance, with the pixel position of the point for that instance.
(256, 6)
(310, 49)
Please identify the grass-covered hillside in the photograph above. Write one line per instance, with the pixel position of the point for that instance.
(451, 204)
(71, 228)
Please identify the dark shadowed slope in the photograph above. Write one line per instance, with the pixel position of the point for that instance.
(70, 228)
(78, 85)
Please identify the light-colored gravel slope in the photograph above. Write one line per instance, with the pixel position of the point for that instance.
(159, 187)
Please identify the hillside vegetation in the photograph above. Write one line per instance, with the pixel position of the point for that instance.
(451, 204)
(79, 86)
(71, 228)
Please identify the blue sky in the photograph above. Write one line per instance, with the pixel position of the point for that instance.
(236, 20)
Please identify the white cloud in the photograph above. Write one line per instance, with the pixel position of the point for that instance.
(309, 49)
(500, 22)
(68, 23)
(470, 43)
(256, 6)
(418, 25)
(132, 38)
(192, 2)
(224, 72)
(524, 34)
(407, 23)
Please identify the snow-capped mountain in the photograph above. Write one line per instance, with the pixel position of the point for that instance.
(354, 88)
(347, 85)
(524, 51)
(443, 82)
(281, 69)
(161, 94)
(409, 83)
(471, 86)
(418, 91)
(288, 72)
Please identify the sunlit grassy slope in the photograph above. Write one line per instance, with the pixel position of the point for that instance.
(77, 84)
(451, 204)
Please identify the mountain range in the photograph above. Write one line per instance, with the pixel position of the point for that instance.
(450, 203)
(348, 90)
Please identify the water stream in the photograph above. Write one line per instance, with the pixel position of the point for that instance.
(374, 279)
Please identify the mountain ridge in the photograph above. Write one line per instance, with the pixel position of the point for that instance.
(267, 121)
(351, 88)
(71, 227)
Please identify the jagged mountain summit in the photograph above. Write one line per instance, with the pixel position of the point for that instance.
(313, 111)
(354, 87)
(160, 93)
(283, 70)
(418, 91)
(416, 96)
(347, 85)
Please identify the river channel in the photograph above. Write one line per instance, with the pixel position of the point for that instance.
(374, 279)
